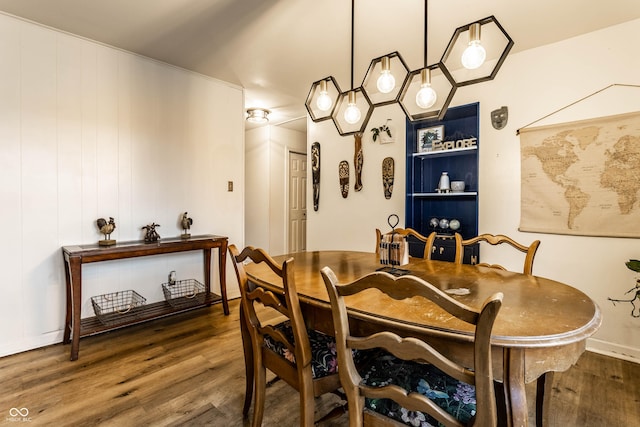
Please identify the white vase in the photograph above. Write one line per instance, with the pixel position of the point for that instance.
(444, 185)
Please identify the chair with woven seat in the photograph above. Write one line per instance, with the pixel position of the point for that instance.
(305, 359)
(406, 232)
(408, 380)
(499, 239)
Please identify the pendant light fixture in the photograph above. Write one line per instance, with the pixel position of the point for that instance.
(352, 113)
(476, 51)
(384, 79)
(353, 108)
(386, 82)
(427, 92)
(474, 54)
(322, 99)
(426, 96)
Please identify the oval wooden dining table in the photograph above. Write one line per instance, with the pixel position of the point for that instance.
(542, 326)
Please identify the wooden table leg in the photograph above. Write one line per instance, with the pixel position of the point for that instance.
(543, 390)
(76, 301)
(514, 388)
(222, 264)
(206, 253)
(66, 337)
(248, 362)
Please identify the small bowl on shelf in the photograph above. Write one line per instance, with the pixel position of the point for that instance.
(457, 186)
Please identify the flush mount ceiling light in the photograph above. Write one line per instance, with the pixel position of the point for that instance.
(258, 115)
(474, 54)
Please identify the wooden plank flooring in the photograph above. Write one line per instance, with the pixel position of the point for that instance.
(188, 370)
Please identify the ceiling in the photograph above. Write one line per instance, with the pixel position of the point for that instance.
(275, 49)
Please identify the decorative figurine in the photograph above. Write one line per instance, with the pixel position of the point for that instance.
(388, 169)
(315, 173)
(151, 234)
(343, 176)
(186, 225)
(106, 228)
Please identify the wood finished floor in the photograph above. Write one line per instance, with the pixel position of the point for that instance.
(188, 370)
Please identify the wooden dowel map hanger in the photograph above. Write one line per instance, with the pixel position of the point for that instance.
(577, 102)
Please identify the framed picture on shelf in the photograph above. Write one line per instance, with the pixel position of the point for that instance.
(427, 136)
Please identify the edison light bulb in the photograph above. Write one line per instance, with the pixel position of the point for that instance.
(474, 55)
(352, 113)
(324, 100)
(386, 82)
(426, 96)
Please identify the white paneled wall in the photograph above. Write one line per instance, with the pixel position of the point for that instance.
(267, 174)
(89, 131)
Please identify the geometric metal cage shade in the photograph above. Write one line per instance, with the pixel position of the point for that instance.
(440, 81)
(362, 102)
(494, 40)
(384, 79)
(322, 99)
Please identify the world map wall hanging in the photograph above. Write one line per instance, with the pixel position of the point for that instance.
(582, 177)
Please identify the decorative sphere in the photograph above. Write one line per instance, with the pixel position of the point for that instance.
(434, 222)
(454, 224)
(444, 223)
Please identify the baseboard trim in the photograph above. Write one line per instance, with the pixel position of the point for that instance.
(614, 350)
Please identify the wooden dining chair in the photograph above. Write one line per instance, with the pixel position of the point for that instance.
(499, 239)
(305, 359)
(406, 232)
(408, 379)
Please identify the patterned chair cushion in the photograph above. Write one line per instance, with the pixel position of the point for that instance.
(323, 350)
(456, 397)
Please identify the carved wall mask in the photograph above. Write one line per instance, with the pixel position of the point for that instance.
(387, 176)
(500, 117)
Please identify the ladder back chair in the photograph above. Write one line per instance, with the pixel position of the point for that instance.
(305, 359)
(407, 379)
(498, 239)
(406, 232)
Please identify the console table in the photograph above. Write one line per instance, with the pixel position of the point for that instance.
(75, 256)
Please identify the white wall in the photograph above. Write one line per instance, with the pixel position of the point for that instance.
(89, 131)
(532, 84)
(267, 171)
(350, 223)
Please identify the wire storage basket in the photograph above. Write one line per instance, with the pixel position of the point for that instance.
(184, 293)
(117, 307)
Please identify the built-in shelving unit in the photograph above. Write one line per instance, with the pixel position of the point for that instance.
(424, 202)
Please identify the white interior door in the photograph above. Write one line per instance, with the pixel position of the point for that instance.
(297, 202)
